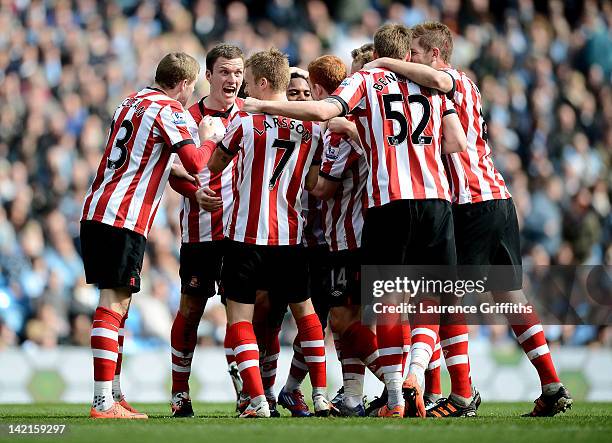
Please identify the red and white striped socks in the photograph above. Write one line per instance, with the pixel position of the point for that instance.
(406, 336)
(117, 394)
(268, 360)
(359, 349)
(183, 340)
(390, 352)
(454, 343)
(241, 338)
(433, 387)
(310, 333)
(424, 338)
(298, 369)
(530, 336)
(105, 349)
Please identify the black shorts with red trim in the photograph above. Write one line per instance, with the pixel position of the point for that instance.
(200, 267)
(280, 270)
(488, 243)
(112, 256)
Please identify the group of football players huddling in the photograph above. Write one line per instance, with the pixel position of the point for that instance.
(286, 194)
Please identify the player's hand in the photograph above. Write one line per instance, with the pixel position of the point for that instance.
(252, 105)
(208, 130)
(179, 171)
(340, 125)
(378, 63)
(208, 200)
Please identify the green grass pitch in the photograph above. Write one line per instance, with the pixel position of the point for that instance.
(497, 422)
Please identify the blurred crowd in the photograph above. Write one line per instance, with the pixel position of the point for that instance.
(544, 69)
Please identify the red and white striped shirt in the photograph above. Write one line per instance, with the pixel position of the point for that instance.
(148, 127)
(275, 154)
(401, 133)
(198, 225)
(472, 175)
(343, 161)
(313, 234)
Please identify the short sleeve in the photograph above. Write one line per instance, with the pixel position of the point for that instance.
(338, 156)
(447, 105)
(316, 159)
(350, 92)
(233, 136)
(173, 126)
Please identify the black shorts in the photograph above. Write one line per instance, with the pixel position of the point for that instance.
(488, 243)
(343, 281)
(409, 232)
(318, 269)
(201, 267)
(280, 270)
(112, 256)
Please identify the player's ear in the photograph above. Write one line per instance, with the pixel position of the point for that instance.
(263, 83)
(208, 75)
(407, 58)
(375, 55)
(319, 90)
(435, 53)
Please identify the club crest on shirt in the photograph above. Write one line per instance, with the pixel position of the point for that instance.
(178, 118)
(332, 152)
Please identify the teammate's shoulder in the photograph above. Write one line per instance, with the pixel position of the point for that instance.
(242, 114)
(196, 109)
(239, 103)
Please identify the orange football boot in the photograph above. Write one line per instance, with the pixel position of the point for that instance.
(118, 412)
(123, 402)
(396, 412)
(411, 384)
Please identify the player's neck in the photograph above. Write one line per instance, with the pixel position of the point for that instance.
(441, 65)
(214, 103)
(170, 93)
(275, 96)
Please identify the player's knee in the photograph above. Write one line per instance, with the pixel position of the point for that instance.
(117, 299)
(302, 309)
(192, 307)
(340, 318)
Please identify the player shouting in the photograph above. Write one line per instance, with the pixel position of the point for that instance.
(203, 230)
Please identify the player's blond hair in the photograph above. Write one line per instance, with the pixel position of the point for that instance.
(435, 35)
(327, 71)
(392, 40)
(272, 65)
(176, 67)
(363, 54)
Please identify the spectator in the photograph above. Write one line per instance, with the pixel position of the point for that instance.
(544, 69)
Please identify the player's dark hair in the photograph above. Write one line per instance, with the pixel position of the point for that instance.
(392, 40)
(362, 55)
(176, 67)
(222, 50)
(298, 75)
